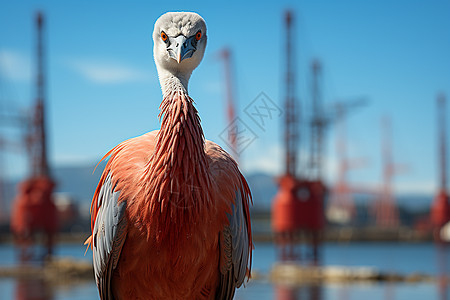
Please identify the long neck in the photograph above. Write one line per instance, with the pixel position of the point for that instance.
(178, 179)
(181, 134)
(170, 81)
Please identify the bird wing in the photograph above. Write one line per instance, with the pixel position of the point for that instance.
(235, 241)
(109, 205)
(108, 234)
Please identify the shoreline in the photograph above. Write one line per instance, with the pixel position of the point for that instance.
(67, 271)
(344, 234)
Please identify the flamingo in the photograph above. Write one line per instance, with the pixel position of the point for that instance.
(170, 216)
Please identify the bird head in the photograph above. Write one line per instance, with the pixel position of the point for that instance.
(179, 42)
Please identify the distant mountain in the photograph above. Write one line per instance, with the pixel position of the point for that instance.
(79, 182)
(264, 188)
(8, 190)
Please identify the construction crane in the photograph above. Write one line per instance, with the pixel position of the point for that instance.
(440, 210)
(341, 208)
(297, 208)
(386, 213)
(34, 210)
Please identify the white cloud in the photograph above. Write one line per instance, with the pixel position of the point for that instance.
(14, 65)
(109, 72)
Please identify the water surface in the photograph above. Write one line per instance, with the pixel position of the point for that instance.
(404, 258)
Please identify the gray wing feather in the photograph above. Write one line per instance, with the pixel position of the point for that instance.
(234, 244)
(108, 236)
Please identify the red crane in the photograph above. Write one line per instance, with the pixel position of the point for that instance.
(386, 213)
(341, 207)
(33, 208)
(297, 209)
(440, 210)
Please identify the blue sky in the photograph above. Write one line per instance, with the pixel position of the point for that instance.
(103, 88)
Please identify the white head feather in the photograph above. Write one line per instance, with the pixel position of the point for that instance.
(175, 25)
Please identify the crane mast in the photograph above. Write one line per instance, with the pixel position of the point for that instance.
(291, 110)
(38, 143)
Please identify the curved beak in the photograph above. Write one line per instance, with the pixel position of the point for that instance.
(181, 47)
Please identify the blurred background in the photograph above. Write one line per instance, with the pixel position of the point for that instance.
(335, 110)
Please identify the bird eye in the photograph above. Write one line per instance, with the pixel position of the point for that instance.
(198, 35)
(164, 36)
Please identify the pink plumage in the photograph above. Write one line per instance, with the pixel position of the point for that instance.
(170, 215)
